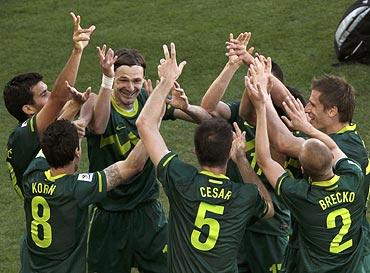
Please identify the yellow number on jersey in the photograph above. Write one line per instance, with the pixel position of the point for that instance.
(41, 220)
(335, 245)
(214, 226)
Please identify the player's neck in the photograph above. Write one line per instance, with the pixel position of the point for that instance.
(335, 127)
(214, 170)
(68, 169)
(327, 176)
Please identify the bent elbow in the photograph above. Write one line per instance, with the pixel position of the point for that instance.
(270, 211)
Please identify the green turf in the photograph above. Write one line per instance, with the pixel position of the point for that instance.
(36, 36)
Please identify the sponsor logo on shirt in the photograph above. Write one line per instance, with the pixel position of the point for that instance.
(120, 127)
(87, 177)
(24, 124)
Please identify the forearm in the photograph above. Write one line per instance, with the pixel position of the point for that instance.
(281, 138)
(279, 92)
(250, 176)
(246, 108)
(69, 73)
(262, 141)
(101, 111)
(217, 89)
(192, 113)
(122, 171)
(87, 109)
(153, 108)
(70, 110)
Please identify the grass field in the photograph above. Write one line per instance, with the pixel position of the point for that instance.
(36, 36)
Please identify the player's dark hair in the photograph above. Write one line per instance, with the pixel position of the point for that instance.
(296, 94)
(212, 140)
(336, 91)
(129, 57)
(276, 71)
(17, 93)
(315, 158)
(59, 142)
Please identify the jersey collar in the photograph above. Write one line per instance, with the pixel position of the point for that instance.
(52, 178)
(211, 174)
(348, 128)
(122, 111)
(328, 184)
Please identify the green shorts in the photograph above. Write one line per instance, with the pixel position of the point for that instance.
(261, 253)
(121, 240)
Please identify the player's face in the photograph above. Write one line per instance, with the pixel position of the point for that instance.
(127, 84)
(40, 95)
(319, 117)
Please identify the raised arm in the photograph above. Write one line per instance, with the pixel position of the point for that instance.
(183, 109)
(257, 88)
(150, 116)
(121, 171)
(298, 119)
(102, 105)
(60, 93)
(246, 171)
(211, 100)
(73, 106)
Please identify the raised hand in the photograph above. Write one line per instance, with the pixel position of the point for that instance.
(179, 99)
(78, 97)
(81, 36)
(168, 68)
(260, 71)
(298, 119)
(237, 49)
(106, 60)
(257, 95)
(237, 151)
(80, 126)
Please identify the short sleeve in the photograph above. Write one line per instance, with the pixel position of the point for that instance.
(261, 207)
(171, 170)
(234, 110)
(346, 166)
(89, 188)
(169, 112)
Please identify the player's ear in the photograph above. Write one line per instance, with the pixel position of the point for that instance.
(28, 109)
(333, 111)
(78, 153)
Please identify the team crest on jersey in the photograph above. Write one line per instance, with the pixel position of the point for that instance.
(85, 177)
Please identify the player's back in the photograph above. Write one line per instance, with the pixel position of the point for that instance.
(208, 217)
(329, 215)
(56, 209)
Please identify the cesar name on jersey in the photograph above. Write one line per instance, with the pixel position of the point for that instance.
(38, 188)
(215, 193)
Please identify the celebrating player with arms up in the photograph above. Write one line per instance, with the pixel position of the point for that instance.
(57, 199)
(27, 98)
(208, 212)
(328, 206)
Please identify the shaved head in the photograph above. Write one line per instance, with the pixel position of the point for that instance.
(315, 158)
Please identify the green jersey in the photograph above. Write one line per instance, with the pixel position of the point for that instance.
(329, 218)
(115, 144)
(280, 223)
(208, 216)
(23, 145)
(56, 209)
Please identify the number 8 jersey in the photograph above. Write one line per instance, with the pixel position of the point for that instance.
(208, 216)
(56, 209)
(329, 217)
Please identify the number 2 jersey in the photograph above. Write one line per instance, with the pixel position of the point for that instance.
(208, 216)
(329, 217)
(56, 209)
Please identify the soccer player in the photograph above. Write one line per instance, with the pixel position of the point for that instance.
(27, 98)
(57, 199)
(264, 243)
(208, 211)
(328, 206)
(132, 208)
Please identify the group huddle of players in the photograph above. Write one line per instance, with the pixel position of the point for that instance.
(282, 185)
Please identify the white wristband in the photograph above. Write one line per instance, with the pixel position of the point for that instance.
(107, 82)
